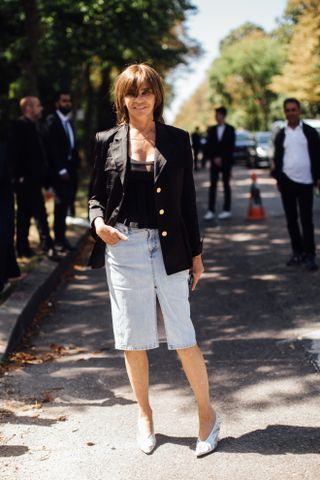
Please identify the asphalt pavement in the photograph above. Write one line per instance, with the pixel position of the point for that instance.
(69, 413)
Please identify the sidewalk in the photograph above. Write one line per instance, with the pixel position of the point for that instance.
(69, 413)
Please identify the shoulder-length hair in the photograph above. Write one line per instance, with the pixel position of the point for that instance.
(130, 80)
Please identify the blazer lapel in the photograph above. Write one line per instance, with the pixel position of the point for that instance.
(163, 148)
(119, 151)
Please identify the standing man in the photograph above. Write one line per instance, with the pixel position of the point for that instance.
(219, 149)
(64, 160)
(29, 169)
(195, 142)
(297, 169)
(8, 263)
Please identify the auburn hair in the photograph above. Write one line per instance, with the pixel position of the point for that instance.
(130, 80)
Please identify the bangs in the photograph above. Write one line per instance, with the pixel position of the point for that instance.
(134, 82)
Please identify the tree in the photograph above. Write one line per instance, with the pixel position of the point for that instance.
(196, 111)
(240, 77)
(300, 76)
(83, 44)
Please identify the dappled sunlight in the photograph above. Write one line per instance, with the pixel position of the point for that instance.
(245, 237)
(269, 277)
(216, 276)
(261, 180)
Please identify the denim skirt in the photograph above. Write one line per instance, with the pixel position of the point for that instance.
(137, 278)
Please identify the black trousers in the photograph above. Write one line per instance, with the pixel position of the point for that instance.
(30, 203)
(297, 200)
(64, 193)
(215, 172)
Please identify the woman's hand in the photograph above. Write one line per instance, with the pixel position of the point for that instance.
(108, 234)
(197, 270)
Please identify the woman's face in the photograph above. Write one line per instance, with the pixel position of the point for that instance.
(140, 104)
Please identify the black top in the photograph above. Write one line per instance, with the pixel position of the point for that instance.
(138, 205)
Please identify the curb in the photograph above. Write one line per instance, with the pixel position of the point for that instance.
(17, 312)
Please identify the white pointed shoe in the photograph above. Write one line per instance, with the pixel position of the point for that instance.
(206, 446)
(224, 215)
(145, 442)
(209, 215)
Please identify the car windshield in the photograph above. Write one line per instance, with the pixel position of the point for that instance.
(243, 137)
(263, 137)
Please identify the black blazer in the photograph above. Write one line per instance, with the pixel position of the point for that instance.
(223, 148)
(57, 144)
(313, 141)
(173, 189)
(27, 153)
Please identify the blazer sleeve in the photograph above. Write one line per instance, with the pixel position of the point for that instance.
(278, 155)
(189, 205)
(98, 199)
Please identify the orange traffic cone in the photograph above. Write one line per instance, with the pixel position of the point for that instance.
(255, 210)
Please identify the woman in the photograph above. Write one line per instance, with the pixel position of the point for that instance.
(143, 212)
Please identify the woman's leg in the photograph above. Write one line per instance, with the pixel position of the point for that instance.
(137, 365)
(196, 372)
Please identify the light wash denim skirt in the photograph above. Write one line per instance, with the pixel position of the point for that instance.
(137, 278)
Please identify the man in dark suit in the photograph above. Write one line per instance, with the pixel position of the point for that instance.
(297, 170)
(64, 160)
(29, 169)
(8, 263)
(219, 149)
(195, 142)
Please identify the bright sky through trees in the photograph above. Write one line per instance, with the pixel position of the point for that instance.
(214, 20)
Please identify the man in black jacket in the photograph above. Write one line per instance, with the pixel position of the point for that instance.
(297, 170)
(219, 149)
(29, 166)
(64, 160)
(8, 263)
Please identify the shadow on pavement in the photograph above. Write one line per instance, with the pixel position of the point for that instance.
(275, 440)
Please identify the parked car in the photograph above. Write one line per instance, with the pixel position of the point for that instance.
(244, 148)
(261, 159)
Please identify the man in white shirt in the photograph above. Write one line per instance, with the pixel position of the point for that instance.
(219, 149)
(297, 170)
(64, 160)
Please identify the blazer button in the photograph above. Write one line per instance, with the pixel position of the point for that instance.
(164, 233)
(161, 211)
(158, 190)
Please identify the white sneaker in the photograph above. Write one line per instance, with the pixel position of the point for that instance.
(209, 215)
(224, 215)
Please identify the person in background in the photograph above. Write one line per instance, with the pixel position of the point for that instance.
(195, 142)
(64, 161)
(144, 215)
(297, 170)
(28, 157)
(219, 150)
(9, 268)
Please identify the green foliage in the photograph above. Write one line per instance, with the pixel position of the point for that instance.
(52, 44)
(240, 78)
(300, 76)
(240, 33)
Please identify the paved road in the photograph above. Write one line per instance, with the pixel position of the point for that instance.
(70, 414)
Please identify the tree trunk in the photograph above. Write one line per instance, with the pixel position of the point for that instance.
(33, 34)
(106, 117)
(89, 121)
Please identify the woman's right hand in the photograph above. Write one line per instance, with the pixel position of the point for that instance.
(109, 235)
